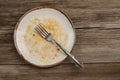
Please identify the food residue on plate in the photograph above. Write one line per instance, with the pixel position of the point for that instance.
(38, 46)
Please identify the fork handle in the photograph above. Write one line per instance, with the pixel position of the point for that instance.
(69, 55)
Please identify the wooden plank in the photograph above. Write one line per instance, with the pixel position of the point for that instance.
(85, 4)
(81, 18)
(92, 46)
(96, 45)
(61, 72)
(84, 13)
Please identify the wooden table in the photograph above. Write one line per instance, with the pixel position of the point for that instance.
(97, 25)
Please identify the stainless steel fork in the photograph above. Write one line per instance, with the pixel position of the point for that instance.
(49, 37)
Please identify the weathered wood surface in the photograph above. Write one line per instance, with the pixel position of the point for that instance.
(61, 72)
(97, 25)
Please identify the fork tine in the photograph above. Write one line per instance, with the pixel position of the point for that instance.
(43, 29)
(40, 31)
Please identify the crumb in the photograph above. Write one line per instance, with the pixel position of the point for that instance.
(56, 55)
(58, 49)
(43, 57)
(33, 34)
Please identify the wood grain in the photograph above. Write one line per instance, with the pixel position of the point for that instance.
(64, 72)
(97, 25)
(84, 13)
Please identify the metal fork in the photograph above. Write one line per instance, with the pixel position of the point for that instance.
(49, 37)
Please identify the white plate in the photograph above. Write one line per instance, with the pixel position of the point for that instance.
(32, 47)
